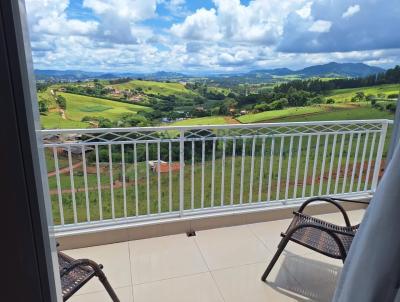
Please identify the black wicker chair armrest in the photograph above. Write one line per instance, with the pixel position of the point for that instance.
(81, 262)
(328, 231)
(329, 200)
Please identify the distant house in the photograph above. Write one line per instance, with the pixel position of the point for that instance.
(163, 166)
(243, 112)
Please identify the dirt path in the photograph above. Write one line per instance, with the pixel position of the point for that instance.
(231, 120)
(62, 113)
(66, 169)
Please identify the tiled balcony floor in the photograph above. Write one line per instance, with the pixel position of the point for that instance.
(222, 264)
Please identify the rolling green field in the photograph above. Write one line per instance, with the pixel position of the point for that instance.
(79, 106)
(153, 87)
(341, 113)
(345, 95)
(276, 114)
(208, 120)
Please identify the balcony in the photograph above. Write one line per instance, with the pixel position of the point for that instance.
(114, 192)
(222, 264)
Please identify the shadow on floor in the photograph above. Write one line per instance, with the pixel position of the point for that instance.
(316, 280)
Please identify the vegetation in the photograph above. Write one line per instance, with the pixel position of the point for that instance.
(211, 120)
(391, 76)
(135, 102)
(80, 111)
(276, 114)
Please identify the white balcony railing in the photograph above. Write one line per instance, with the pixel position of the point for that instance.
(102, 178)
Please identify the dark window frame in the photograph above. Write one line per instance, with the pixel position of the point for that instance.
(27, 250)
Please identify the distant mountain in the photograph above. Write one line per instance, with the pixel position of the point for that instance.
(276, 72)
(332, 69)
(76, 75)
(164, 75)
(339, 69)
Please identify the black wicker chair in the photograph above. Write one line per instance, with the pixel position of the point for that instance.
(76, 273)
(326, 238)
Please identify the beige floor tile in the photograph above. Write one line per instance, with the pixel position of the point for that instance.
(194, 288)
(124, 294)
(356, 216)
(114, 257)
(232, 246)
(243, 283)
(316, 273)
(270, 234)
(165, 257)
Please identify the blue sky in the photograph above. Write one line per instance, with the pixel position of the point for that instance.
(211, 35)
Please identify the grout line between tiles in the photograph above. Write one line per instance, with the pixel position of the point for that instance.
(209, 271)
(130, 268)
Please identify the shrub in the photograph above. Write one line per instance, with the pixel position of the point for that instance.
(279, 104)
(391, 107)
(393, 96)
(43, 108)
(62, 102)
(262, 107)
(330, 101)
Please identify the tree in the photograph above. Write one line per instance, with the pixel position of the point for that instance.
(62, 102)
(43, 108)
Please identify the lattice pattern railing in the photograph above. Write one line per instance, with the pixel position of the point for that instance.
(100, 177)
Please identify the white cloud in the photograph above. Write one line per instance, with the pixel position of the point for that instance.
(49, 17)
(260, 22)
(203, 25)
(133, 10)
(320, 26)
(229, 36)
(351, 11)
(305, 11)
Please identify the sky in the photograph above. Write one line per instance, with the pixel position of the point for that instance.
(203, 36)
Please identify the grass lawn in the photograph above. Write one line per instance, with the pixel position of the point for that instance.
(345, 95)
(208, 120)
(341, 112)
(276, 114)
(79, 106)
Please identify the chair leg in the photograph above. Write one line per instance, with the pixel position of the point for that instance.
(103, 279)
(281, 247)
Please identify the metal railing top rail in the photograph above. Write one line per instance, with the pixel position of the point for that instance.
(209, 132)
(205, 127)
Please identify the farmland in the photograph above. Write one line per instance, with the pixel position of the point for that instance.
(345, 95)
(276, 114)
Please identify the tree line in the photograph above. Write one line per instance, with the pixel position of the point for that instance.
(391, 76)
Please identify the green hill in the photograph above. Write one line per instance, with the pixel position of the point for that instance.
(345, 95)
(79, 106)
(156, 88)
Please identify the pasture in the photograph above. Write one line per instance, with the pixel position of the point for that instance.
(277, 114)
(345, 95)
(79, 106)
(157, 88)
